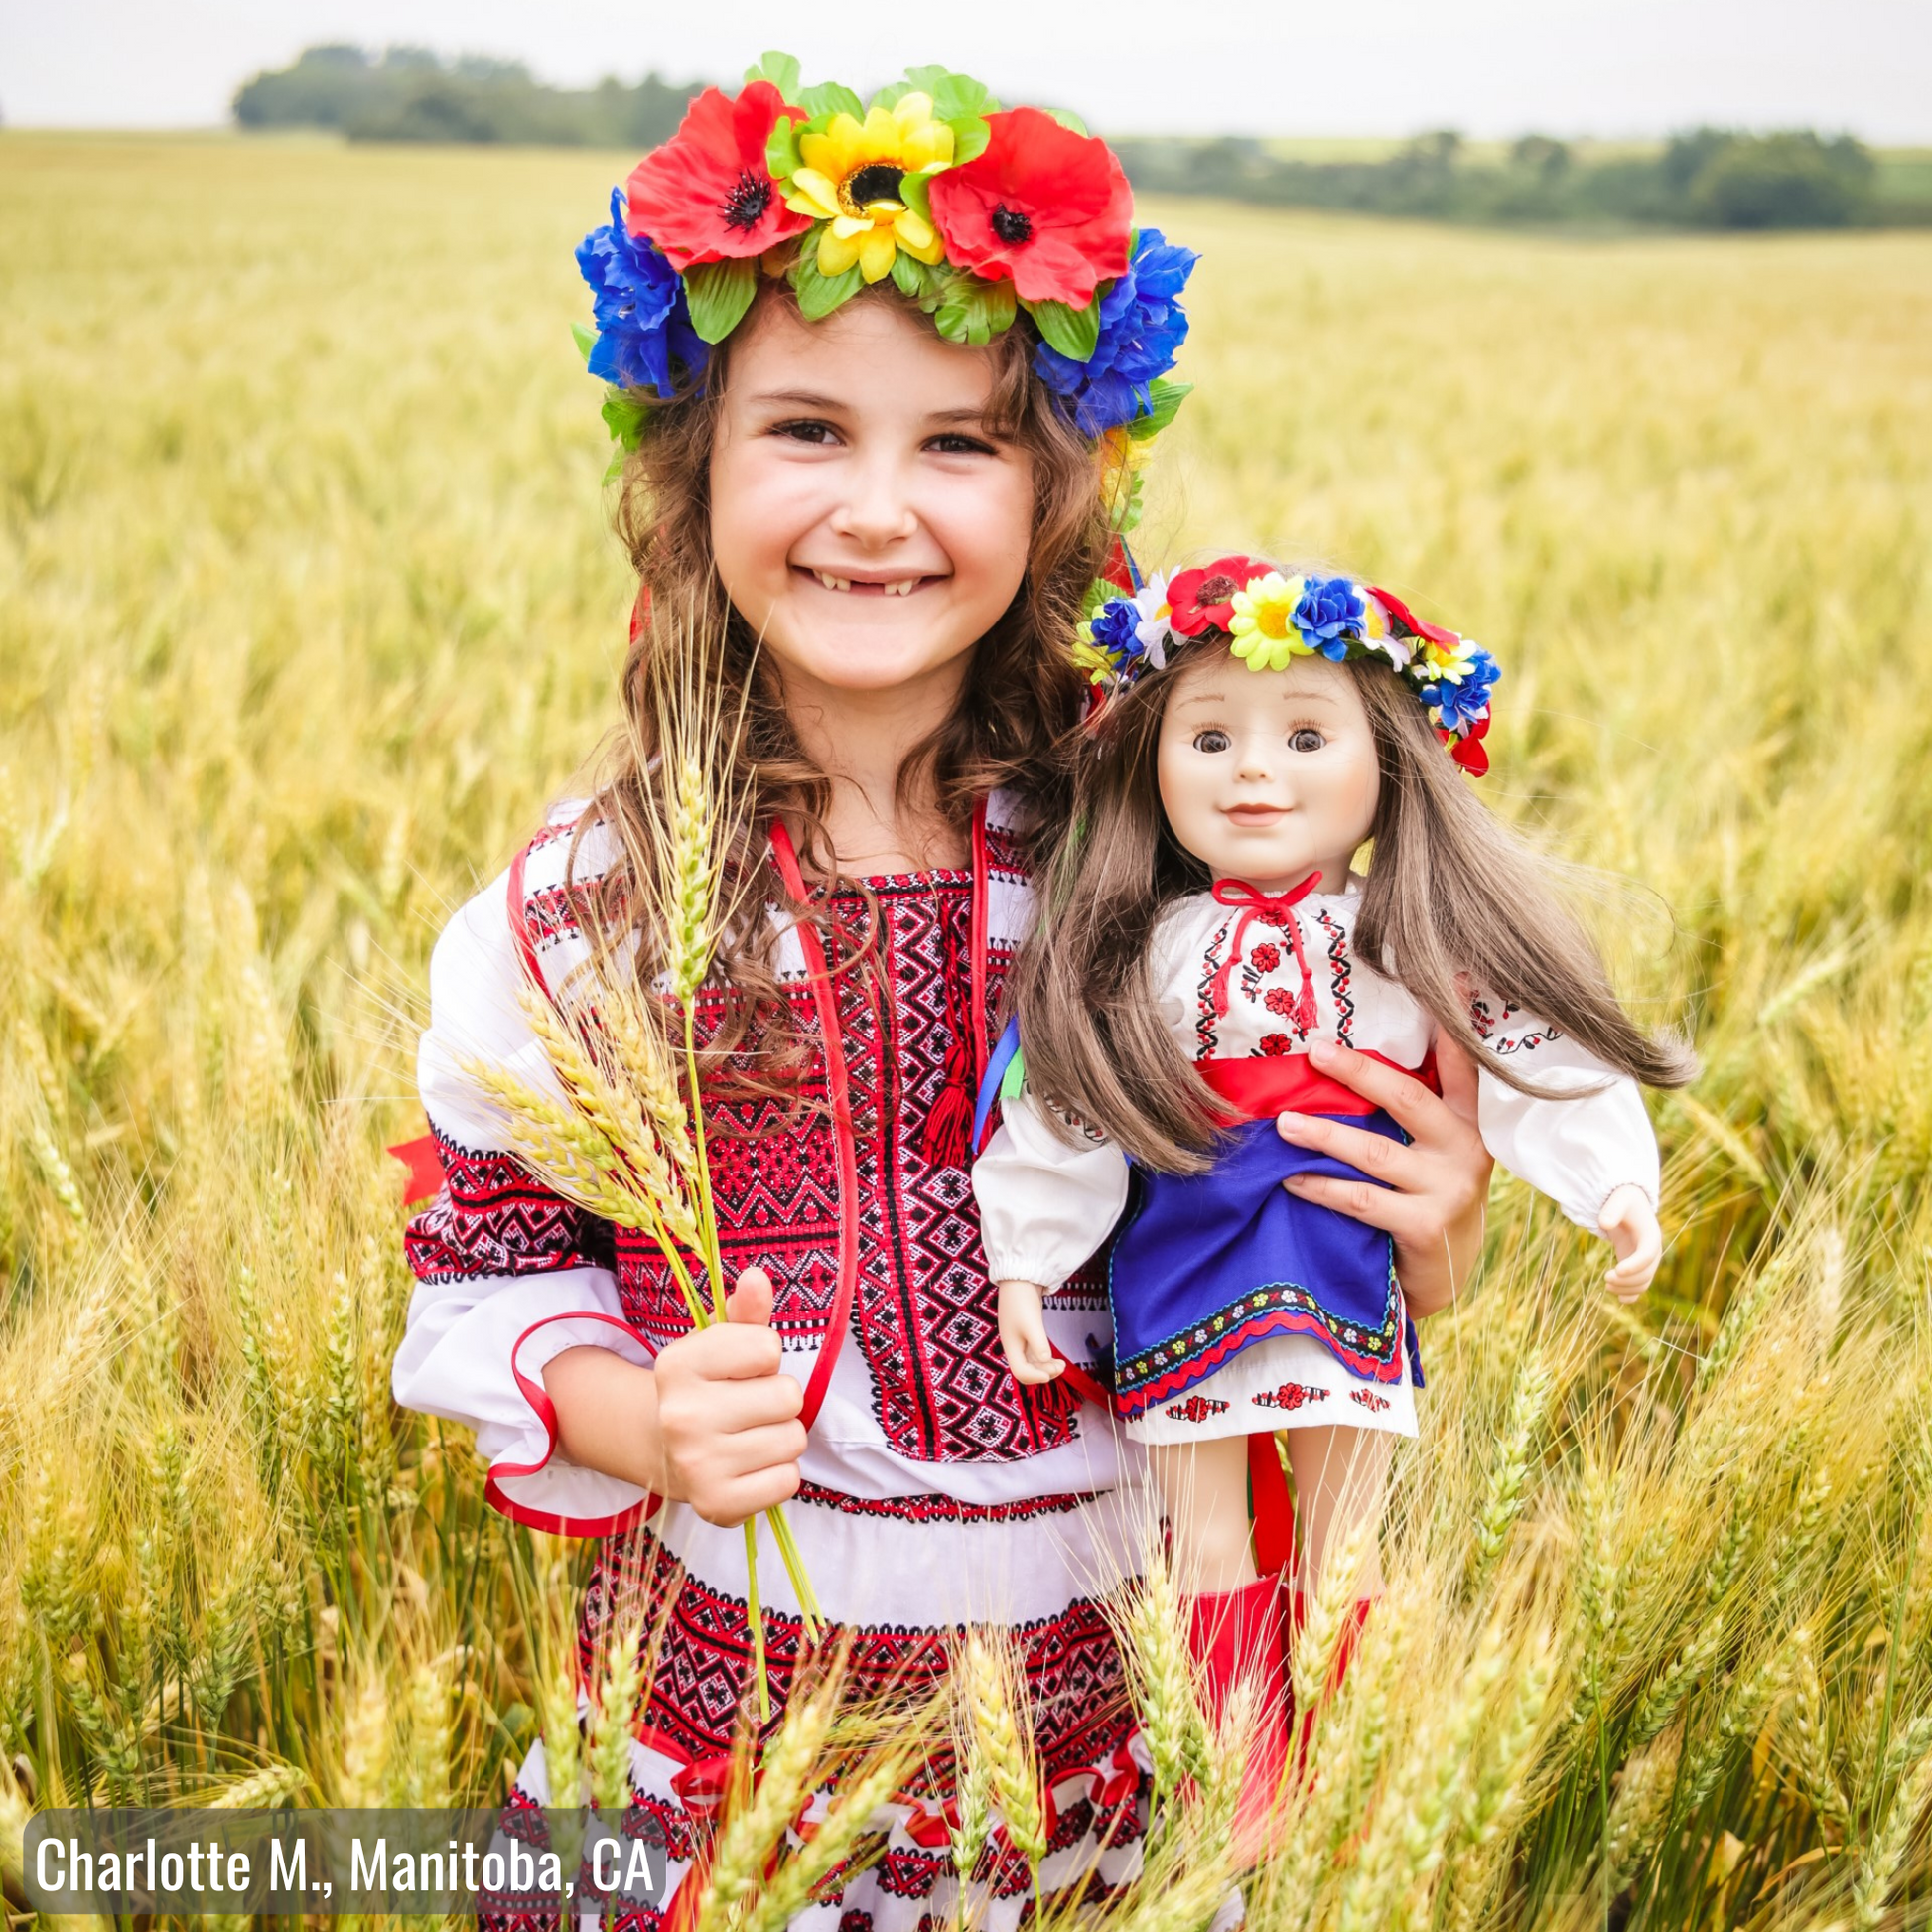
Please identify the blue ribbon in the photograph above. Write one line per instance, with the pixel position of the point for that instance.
(998, 1061)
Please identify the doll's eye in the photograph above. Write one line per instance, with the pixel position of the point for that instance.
(1211, 741)
(1307, 738)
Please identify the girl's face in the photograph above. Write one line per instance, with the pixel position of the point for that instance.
(1268, 775)
(863, 516)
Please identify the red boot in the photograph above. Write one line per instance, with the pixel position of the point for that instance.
(1238, 1637)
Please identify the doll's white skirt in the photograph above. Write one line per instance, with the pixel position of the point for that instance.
(1284, 1382)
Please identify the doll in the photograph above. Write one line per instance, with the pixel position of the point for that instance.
(1205, 943)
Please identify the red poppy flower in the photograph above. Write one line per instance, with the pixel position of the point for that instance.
(706, 195)
(1470, 752)
(1042, 207)
(1199, 598)
(1395, 606)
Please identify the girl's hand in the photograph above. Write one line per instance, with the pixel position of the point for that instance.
(714, 1423)
(1433, 1191)
(1023, 1333)
(1630, 1222)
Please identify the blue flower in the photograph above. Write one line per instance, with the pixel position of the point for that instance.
(644, 337)
(1116, 630)
(1458, 705)
(1331, 615)
(1142, 326)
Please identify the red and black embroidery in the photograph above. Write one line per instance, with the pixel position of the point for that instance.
(1340, 971)
(1071, 1662)
(1198, 1407)
(493, 1216)
(936, 1508)
(1290, 1395)
(1369, 1399)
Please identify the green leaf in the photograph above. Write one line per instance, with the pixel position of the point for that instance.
(781, 148)
(586, 337)
(960, 98)
(719, 294)
(819, 295)
(970, 135)
(893, 95)
(913, 190)
(625, 416)
(829, 98)
(1068, 119)
(973, 312)
(614, 467)
(1100, 593)
(909, 276)
(1166, 397)
(780, 68)
(1073, 332)
(1124, 514)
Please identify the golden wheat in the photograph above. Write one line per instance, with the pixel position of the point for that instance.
(307, 610)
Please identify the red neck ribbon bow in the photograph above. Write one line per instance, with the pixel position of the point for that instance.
(1277, 909)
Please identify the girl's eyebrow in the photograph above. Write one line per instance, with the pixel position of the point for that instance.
(799, 399)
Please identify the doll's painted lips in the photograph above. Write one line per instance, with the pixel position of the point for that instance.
(1255, 815)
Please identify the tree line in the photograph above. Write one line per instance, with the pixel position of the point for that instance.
(1711, 178)
(408, 93)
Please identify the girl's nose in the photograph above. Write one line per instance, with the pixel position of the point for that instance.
(876, 511)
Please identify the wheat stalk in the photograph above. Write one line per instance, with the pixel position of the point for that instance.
(1005, 1747)
(1879, 1864)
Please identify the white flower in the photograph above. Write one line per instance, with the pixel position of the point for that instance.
(1154, 631)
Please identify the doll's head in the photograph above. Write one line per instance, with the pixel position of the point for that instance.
(1268, 776)
(1451, 894)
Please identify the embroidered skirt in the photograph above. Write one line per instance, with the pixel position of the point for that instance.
(1206, 1266)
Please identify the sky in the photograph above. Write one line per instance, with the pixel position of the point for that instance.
(1488, 67)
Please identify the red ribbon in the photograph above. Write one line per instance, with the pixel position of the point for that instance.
(1277, 909)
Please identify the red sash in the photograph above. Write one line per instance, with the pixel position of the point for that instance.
(1291, 1083)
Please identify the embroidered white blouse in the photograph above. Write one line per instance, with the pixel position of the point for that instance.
(1045, 1205)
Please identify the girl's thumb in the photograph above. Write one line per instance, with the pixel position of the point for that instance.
(751, 1301)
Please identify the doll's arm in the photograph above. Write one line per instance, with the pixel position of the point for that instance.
(1044, 1205)
(1591, 1151)
(1023, 1333)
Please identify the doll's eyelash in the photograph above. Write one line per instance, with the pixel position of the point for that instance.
(805, 429)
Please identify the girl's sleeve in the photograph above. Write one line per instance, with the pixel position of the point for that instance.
(508, 1274)
(1044, 1205)
(1577, 1150)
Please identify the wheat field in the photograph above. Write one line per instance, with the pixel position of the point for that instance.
(308, 606)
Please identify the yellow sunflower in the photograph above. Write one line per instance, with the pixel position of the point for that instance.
(849, 178)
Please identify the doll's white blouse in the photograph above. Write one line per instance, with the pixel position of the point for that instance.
(1046, 1205)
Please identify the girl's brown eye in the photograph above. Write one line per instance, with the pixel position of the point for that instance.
(1307, 738)
(1211, 741)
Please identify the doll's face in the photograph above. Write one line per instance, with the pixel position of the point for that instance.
(862, 515)
(1268, 776)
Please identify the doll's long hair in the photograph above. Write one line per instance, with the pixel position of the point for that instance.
(1451, 895)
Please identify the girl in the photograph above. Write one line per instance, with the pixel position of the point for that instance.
(1210, 960)
(891, 506)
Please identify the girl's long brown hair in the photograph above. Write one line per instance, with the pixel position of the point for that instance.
(1020, 697)
(1451, 895)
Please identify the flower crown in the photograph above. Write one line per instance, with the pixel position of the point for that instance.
(1270, 620)
(980, 214)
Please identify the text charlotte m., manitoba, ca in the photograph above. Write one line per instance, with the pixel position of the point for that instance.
(330, 1863)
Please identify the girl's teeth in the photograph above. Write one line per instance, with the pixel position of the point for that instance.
(903, 587)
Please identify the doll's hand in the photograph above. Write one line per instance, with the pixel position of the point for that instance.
(1023, 1333)
(1630, 1222)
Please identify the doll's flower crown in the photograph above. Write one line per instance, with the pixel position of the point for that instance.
(1270, 620)
(981, 215)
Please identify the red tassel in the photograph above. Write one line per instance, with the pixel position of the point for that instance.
(948, 1140)
(1305, 1012)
